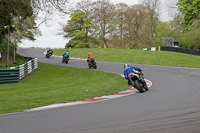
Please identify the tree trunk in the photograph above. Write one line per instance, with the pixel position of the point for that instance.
(14, 50)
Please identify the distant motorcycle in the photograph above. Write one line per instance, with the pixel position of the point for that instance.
(49, 53)
(65, 59)
(92, 63)
(137, 80)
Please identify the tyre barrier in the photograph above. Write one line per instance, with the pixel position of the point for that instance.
(181, 50)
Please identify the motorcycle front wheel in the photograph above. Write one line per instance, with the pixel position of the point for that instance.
(89, 65)
(47, 56)
(145, 86)
(138, 86)
(95, 66)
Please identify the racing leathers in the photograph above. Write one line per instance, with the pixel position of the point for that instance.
(66, 54)
(90, 58)
(128, 70)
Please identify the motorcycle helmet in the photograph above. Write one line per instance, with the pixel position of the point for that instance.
(67, 51)
(89, 53)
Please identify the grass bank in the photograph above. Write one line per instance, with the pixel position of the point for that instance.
(56, 84)
(162, 58)
(19, 60)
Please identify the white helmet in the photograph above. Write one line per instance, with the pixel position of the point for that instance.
(89, 53)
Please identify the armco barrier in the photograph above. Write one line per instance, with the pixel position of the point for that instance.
(27, 68)
(180, 50)
(13, 75)
(152, 49)
(9, 75)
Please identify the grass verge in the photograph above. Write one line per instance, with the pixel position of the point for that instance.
(162, 58)
(56, 84)
(19, 60)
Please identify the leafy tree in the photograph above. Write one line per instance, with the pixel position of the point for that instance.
(190, 39)
(134, 24)
(151, 20)
(191, 11)
(79, 30)
(102, 17)
(22, 9)
(23, 30)
(163, 30)
(172, 28)
(119, 23)
(9, 10)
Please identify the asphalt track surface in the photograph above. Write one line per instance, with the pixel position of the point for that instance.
(172, 105)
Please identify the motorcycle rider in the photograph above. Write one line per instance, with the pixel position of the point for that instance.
(128, 69)
(50, 51)
(66, 54)
(90, 58)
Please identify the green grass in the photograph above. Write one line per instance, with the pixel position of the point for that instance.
(162, 58)
(56, 84)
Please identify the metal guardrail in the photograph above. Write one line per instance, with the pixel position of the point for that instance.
(152, 49)
(14, 74)
(9, 75)
(28, 67)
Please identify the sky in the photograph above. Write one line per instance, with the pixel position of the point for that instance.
(51, 39)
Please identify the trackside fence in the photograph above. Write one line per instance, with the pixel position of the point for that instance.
(152, 49)
(9, 75)
(14, 74)
(181, 50)
(175, 49)
(27, 68)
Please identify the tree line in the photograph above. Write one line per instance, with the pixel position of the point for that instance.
(17, 21)
(102, 24)
(185, 27)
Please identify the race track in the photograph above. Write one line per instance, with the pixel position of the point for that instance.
(172, 105)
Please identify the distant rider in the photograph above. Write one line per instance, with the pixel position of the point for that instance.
(128, 69)
(50, 51)
(90, 58)
(66, 54)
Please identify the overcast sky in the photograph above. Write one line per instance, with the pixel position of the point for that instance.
(50, 39)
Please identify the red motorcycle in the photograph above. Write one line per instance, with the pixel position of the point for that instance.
(92, 63)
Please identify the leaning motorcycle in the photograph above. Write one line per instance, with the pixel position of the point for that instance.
(48, 55)
(137, 80)
(92, 63)
(65, 59)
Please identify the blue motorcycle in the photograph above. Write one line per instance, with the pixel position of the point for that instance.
(65, 59)
(135, 77)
